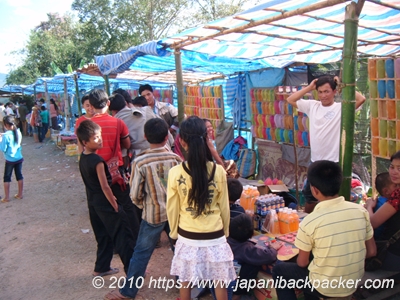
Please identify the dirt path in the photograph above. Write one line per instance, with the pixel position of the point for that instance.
(43, 252)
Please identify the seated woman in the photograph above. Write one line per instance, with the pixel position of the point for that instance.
(210, 138)
(210, 143)
(389, 213)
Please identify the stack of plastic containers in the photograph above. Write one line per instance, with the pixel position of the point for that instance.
(274, 119)
(384, 75)
(248, 199)
(263, 206)
(269, 208)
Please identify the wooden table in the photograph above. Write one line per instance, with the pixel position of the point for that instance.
(63, 140)
(286, 252)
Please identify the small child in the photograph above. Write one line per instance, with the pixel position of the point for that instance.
(385, 188)
(44, 114)
(250, 256)
(109, 222)
(89, 114)
(87, 106)
(11, 147)
(235, 189)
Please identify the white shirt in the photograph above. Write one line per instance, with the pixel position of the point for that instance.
(9, 111)
(324, 128)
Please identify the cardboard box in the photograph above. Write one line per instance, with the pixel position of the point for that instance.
(71, 152)
(71, 147)
(277, 188)
(55, 137)
(266, 292)
(264, 189)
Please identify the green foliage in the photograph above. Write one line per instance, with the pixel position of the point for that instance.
(26, 74)
(208, 10)
(29, 99)
(106, 26)
(55, 68)
(61, 44)
(50, 48)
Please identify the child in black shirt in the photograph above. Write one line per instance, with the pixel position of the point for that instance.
(109, 221)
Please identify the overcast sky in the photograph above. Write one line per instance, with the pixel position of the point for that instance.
(17, 18)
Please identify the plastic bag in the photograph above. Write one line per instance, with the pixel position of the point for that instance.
(273, 222)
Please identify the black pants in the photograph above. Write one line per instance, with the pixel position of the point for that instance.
(288, 271)
(133, 213)
(42, 131)
(111, 230)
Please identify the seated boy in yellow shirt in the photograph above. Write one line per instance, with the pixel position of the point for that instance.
(339, 235)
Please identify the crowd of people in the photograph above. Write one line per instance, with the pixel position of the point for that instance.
(145, 173)
(17, 121)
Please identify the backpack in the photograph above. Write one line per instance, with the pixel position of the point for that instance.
(247, 163)
(231, 149)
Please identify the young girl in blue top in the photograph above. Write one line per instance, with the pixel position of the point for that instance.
(11, 147)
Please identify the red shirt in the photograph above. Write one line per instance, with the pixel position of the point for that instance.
(394, 200)
(109, 132)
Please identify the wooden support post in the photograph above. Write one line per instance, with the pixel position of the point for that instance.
(179, 84)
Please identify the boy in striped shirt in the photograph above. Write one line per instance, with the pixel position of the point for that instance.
(339, 235)
(148, 192)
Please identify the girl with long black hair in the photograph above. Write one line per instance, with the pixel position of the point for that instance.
(198, 214)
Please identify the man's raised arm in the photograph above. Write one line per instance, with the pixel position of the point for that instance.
(293, 98)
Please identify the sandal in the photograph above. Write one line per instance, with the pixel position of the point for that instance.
(18, 197)
(4, 201)
(115, 295)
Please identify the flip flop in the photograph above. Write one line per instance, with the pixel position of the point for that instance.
(18, 197)
(115, 295)
(109, 272)
(4, 201)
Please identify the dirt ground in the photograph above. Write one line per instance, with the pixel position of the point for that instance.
(44, 254)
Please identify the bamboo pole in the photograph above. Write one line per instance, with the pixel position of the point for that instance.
(107, 82)
(78, 99)
(66, 107)
(179, 85)
(47, 98)
(34, 93)
(349, 95)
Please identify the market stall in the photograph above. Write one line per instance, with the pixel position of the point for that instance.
(384, 86)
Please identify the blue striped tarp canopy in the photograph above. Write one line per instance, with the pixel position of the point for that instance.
(55, 85)
(273, 34)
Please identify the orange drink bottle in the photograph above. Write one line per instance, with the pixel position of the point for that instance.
(292, 221)
(243, 198)
(280, 215)
(275, 226)
(297, 220)
(285, 221)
